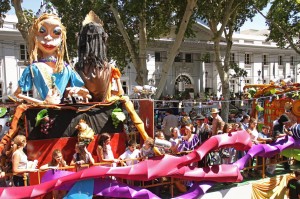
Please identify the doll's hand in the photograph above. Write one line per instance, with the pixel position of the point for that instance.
(79, 92)
(53, 97)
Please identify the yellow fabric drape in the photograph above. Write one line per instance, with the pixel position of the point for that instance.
(271, 188)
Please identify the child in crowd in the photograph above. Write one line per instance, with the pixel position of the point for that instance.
(147, 149)
(56, 161)
(104, 151)
(175, 140)
(163, 145)
(82, 156)
(131, 155)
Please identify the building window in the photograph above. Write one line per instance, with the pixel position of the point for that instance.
(232, 58)
(232, 85)
(279, 60)
(247, 58)
(124, 86)
(292, 61)
(265, 60)
(188, 58)
(178, 58)
(157, 57)
(247, 81)
(23, 52)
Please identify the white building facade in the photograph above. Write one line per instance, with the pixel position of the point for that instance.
(193, 68)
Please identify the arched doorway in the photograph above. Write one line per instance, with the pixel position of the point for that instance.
(183, 86)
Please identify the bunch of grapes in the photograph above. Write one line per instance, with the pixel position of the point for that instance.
(117, 116)
(47, 124)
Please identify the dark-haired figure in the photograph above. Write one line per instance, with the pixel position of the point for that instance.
(293, 186)
(104, 151)
(81, 156)
(169, 121)
(280, 130)
(131, 154)
(92, 66)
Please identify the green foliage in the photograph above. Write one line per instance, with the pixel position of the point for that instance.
(285, 14)
(4, 7)
(259, 108)
(41, 114)
(239, 72)
(160, 17)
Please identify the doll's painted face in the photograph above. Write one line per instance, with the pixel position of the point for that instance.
(49, 36)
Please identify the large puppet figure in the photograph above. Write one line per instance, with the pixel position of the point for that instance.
(52, 77)
(92, 66)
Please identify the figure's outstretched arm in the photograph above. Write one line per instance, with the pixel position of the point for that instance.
(120, 90)
(19, 95)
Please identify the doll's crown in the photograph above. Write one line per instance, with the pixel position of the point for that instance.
(46, 8)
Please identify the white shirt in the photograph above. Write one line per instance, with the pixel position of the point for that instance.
(130, 155)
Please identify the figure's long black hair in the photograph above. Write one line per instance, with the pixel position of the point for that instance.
(92, 45)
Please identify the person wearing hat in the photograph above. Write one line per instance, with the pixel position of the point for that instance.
(202, 129)
(216, 119)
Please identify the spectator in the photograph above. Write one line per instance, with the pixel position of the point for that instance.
(216, 118)
(252, 130)
(163, 145)
(131, 154)
(20, 163)
(189, 141)
(104, 151)
(293, 186)
(245, 122)
(169, 121)
(264, 137)
(279, 126)
(201, 129)
(147, 149)
(279, 131)
(81, 156)
(56, 161)
(175, 140)
(238, 118)
(193, 114)
(228, 154)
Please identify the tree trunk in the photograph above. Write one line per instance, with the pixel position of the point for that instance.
(142, 47)
(133, 54)
(22, 24)
(191, 4)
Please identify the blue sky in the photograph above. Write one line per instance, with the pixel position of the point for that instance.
(258, 21)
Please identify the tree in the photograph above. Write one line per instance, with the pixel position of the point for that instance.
(224, 17)
(191, 4)
(4, 7)
(283, 20)
(25, 19)
(131, 25)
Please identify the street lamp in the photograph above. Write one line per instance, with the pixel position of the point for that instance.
(258, 73)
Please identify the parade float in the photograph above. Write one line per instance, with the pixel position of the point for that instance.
(54, 122)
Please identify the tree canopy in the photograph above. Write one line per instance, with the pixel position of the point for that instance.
(284, 24)
(224, 17)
